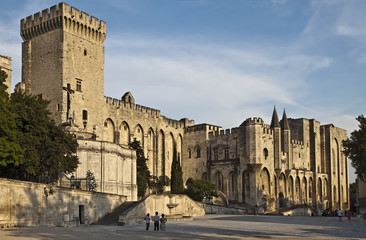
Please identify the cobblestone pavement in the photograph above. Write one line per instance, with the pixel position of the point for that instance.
(207, 227)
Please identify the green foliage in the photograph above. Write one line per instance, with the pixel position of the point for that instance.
(355, 148)
(353, 187)
(143, 173)
(158, 184)
(176, 186)
(11, 152)
(48, 150)
(200, 189)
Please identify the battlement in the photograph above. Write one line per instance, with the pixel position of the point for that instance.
(224, 133)
(202, 128)
(267, 129)
(61, 16)
(116, 103)
(297, 142)
(134, 107)
(253, 121)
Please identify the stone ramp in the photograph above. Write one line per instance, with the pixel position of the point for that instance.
(111, 219)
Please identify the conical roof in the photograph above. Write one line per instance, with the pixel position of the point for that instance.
(275, 123)
(284, 122)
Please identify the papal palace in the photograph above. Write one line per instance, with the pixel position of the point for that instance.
(278, 164)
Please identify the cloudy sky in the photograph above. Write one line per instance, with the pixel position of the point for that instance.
(222, 61)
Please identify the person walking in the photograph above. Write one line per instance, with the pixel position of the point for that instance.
(156, 221)
(339, 213)
(163, 220)
(147, 219)
(349, 215)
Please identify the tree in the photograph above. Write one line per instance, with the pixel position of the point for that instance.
(355, 148)
(200, 189)
(11, 152)
(143, 173)
(176, 186)
(159, 183)
(48, 149)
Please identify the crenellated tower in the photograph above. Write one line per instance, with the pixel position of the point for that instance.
(63, 61)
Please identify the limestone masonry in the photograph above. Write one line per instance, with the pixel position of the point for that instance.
(290, 161)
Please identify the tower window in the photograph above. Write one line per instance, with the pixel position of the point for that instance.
(216, 155)
(265, 153)
(85, 52)
(198, 152)
(78, 85)
(85, 115)
(226, 153)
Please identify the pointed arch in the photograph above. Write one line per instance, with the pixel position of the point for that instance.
(160, 170)
(291, 188)
(179, 146)
(219, 181)
(138, 133)
(265, 181)
(304, 188)
(151, 162)
(124, 130)
(169, 150)
(109, 130)
(282, 184)
(297, 190)
(320, 191)
(310, 190)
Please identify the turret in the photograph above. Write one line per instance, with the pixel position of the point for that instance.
(285, 136)
(275, 125)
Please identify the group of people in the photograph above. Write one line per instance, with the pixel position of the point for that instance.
(340, 214)
(157, 221)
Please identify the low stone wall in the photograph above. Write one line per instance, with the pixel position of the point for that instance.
(33, 204)
(215, 209)
(174, 206)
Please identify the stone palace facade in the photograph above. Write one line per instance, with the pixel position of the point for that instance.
(292, 161)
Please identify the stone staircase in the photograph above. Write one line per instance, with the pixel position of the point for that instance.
(111, 219)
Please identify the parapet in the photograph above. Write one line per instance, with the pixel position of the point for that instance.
(61, 16)
(202, 127)
(253, 121)
(222, 133)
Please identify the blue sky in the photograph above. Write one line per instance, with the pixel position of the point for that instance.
(222, 61)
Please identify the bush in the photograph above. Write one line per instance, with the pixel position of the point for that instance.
(200, 189)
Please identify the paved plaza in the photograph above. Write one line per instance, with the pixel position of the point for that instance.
(207, 227)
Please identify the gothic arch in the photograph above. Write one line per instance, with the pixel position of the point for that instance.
(297, 190)
(265, 181)
(310, 190)
(150, 151)
(169, 150)
(304, 188)
(161, 154)
(219, 181)
(282, 184)
(291, 188)
(320, 191)
(179, 146)
(109, 130)
(138, 133)
(124, 130)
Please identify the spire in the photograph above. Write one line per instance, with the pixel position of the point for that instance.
(284, 121)
(275, 123)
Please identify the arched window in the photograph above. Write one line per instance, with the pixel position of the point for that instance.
(189, 153)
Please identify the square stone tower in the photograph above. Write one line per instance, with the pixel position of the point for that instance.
(63, 61)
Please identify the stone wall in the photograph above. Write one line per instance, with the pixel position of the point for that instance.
(174, 206)
(5, 65)
(33, 204)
